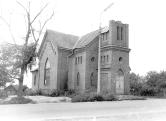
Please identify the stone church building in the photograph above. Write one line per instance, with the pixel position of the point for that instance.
(69, 62)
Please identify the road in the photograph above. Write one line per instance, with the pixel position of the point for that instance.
(140, 110)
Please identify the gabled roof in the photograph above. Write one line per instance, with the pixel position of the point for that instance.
(86, 39)
(59, 39)
(68, 41)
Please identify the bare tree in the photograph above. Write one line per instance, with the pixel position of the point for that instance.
(27, 51)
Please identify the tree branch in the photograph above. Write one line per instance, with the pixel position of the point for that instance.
(39, 13)
(40, 32)
(9, 28)
(22, 7)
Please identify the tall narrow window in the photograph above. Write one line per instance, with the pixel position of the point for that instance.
(92, 80)
(47, 73)
(121, 33)
(102, 36)
(107, 58)
(76, 60)
(92, 59)
(117, 32)
(78, 79)
(107, 35)
(101, 61)
(35, 80)
(81, 59)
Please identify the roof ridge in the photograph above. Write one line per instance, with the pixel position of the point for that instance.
(60, 32)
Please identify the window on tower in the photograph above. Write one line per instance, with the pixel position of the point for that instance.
(104, 36)
(121, 33)
(117, 32)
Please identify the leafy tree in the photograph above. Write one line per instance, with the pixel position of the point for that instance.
(9, 63)
(136, 83)
(20, 58)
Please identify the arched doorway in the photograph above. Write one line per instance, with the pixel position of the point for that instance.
(120, 82)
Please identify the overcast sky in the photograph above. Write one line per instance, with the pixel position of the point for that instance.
(146, 19)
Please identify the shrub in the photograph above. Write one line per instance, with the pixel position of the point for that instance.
(94, 97)
(109, 97)
(54, 93)
(3, 94)
(70, 92)
(91, 97)
(32, 92)
(19, 100)
(148, 91)
(80, 98)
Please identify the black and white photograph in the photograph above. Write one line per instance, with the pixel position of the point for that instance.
(82, 60)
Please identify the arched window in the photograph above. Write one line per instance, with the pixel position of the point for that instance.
(35, 80)
(92, 59)
(78, 79)
(92, 80)
(47, 72)
(120, 59)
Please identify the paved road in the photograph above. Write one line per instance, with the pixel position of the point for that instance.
(141, 110)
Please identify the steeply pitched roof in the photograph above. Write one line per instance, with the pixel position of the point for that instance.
(70, 41)
(61, 39)
(86, 39)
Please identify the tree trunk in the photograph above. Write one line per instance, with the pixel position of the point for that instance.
(20, 89)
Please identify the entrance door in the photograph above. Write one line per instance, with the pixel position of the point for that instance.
(104, 81)
(120, 82)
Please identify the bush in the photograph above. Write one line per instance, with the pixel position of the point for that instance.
(109, 97)
(92, 97)
(19, 100)
(56, 93)
(31, 92)
(70, 93)
(95, 97)
(148, 91)
(80, 98)
(3, 94)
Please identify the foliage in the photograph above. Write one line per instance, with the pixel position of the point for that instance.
(148, 91)
(51, 93)
(9, 62)
(56, 93)
(92, 97)
(19, 100)
(109, 97)
(32, 92)
(135, 83)
(129, 97)
(3, 94)
(19, 58)
(153, 84)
